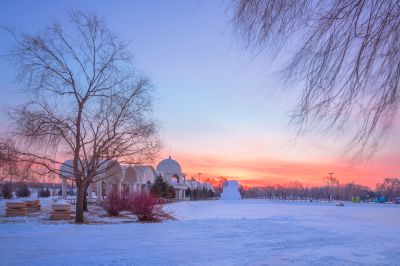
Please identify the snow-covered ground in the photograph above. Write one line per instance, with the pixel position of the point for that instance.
(247, 232)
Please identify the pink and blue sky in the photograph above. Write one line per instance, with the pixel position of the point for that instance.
(222, 109)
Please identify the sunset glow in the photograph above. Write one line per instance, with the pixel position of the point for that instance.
(263, 172)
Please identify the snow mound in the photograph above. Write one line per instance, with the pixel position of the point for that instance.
(61, 201)
(231, 191)
(16, 201)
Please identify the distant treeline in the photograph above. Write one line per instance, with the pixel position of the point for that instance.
(33, 185)
(389, 189)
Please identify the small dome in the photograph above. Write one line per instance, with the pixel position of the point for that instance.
(168, 166)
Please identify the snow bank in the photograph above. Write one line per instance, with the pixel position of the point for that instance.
(62, 201)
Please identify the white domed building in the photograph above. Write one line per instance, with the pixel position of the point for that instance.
(114, 176)
(171, 171)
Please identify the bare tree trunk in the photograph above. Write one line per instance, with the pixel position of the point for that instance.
(79, 218)
(85, 204)
(85, 207)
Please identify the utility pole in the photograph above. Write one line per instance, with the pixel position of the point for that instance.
(330, 183)
(199, 176)
(10, 170)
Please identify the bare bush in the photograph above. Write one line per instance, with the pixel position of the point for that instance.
(146, 207)
(112, 203)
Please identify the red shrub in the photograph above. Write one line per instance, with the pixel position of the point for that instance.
(146, 207)
(125, 201)
(112, 204)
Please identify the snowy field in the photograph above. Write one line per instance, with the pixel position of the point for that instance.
(247, 232)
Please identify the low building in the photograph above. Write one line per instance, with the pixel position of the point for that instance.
(171, 171)
(111, 175)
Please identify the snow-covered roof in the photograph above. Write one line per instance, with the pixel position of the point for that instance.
(208, 186)
(196, 184)
(145, 173)
(189, 184)
(66, 169)
(169, 166)
(110, 170)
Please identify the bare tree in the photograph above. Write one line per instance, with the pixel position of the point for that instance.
(348, 59)
(3, 162)
(86, 101)
(332, 185)
(390, 188)
(8, 161)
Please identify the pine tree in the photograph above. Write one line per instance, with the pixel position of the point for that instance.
(6, 191)
(162, 189)
(23, 191)
(44, 193)
(188, 193)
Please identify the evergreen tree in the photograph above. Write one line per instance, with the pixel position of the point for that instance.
(196, 193)
(162, 189)
(188, 193)
(204, 194)
(211, 194)
(23, 191)
(44, 193)
(6, 191)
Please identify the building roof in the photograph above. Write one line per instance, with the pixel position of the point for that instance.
(169, 166)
